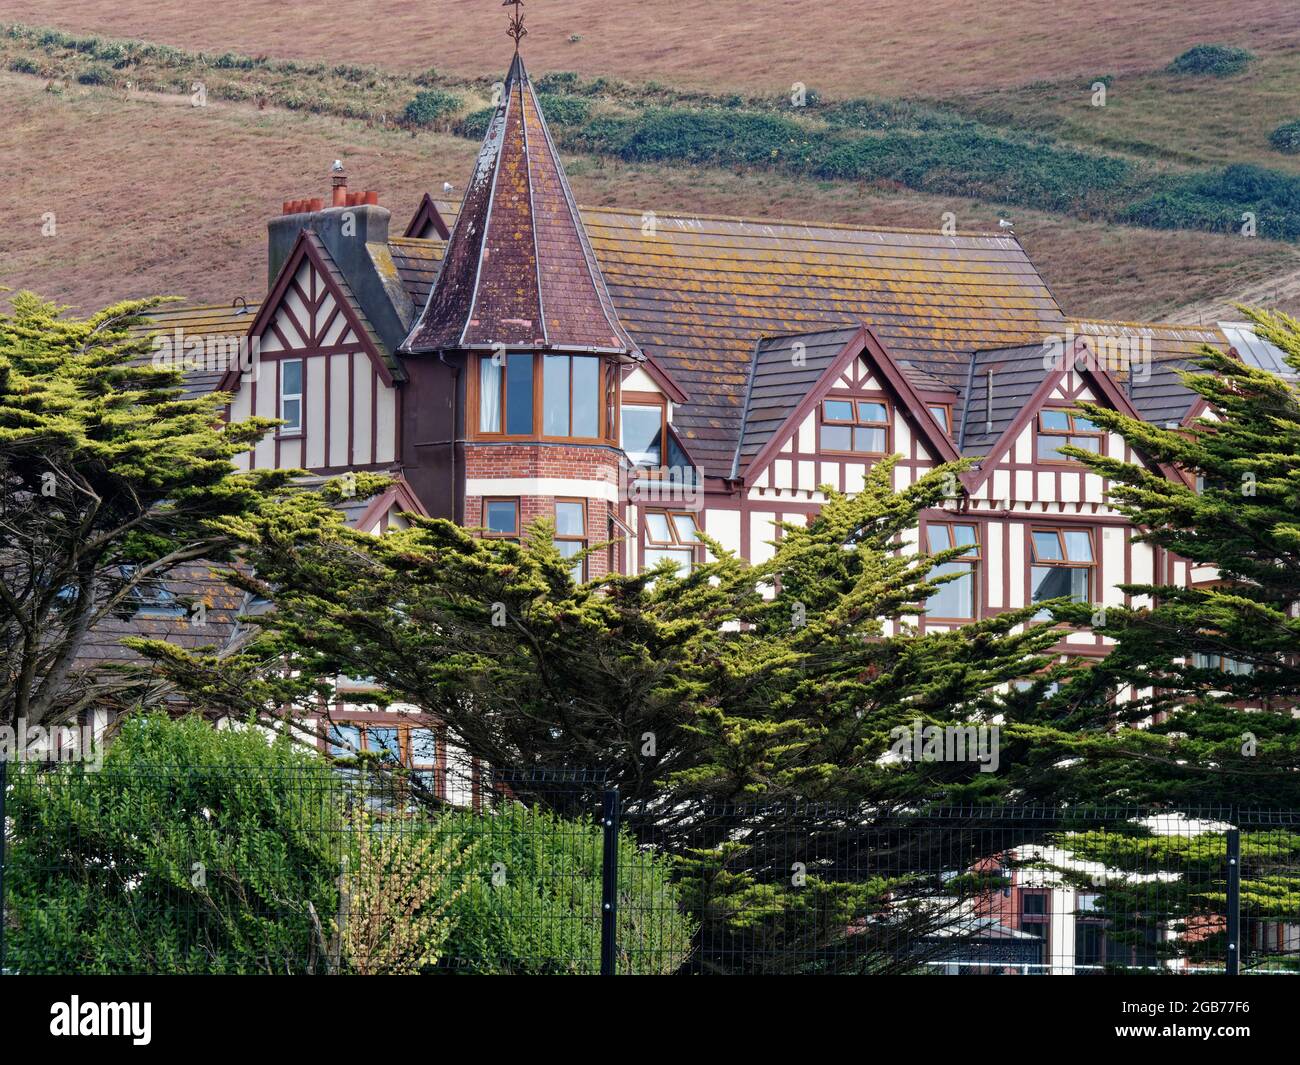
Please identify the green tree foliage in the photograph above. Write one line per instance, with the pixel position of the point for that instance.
(732, 684)
(110, 478)
(191, 851)
(732, 681)
(1218, 663)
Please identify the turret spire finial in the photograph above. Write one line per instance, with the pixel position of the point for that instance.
(516, 32)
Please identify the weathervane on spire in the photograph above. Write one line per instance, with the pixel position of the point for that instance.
(516, 31)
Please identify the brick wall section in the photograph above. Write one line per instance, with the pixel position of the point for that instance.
(536, 461)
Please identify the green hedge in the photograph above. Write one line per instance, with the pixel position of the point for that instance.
(101, 875)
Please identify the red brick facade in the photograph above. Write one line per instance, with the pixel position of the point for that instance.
(533, 462)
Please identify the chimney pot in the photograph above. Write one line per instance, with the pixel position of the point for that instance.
(288, 207)
(372, 197)
(316, 203)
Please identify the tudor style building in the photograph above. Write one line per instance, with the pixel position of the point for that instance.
(637, 376)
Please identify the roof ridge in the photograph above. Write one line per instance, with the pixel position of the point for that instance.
(807, 223)
(804, 222)
(1143, 325)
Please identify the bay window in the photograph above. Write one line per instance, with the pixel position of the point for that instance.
(1063, 562)
(571, 534)
(562, 397)
(954, 600)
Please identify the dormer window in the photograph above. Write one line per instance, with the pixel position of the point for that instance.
(855, 426)
(1058, 427)
(291, 396)
(644, 428)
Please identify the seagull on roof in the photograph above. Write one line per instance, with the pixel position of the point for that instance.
(447, 186)
(338, 165)
(1007, 224)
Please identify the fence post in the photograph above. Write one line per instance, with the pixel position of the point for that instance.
(609, 882)
(1234, 902)
(4, 787)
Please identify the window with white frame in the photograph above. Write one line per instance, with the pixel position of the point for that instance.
(669, 534)
(291, 396)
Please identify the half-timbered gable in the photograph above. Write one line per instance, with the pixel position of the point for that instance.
(317, 364)
(821, 410)
(1038, 520)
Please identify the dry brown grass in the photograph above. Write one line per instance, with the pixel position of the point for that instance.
(152, 195)
(903, 47)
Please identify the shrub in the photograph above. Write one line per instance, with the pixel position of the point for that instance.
(94, 76)
(564, 110)
(1217, 200)
(1286, 138)
(975, 162)
(714, 135)
(558, 81)
(475, 124)
(141, 868)
(399, 887)
(430, 105)
(532, 900)
(1216, 60)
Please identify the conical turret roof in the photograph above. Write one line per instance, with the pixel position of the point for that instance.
(519, 269)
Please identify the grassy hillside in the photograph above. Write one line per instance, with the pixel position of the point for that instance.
(151, 194)
(935, 148)
(107, 139)
(889, 47)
